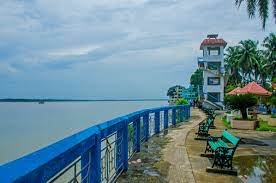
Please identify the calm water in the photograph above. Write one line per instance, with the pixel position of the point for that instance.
(26, 127)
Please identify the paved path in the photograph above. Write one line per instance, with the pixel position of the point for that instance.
(175, 152)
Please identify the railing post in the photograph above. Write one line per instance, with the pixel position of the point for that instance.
(174, 116)
(93, 158)
(187, 115)
(166, 119)
(136, 138)
(189, 111)
(157, 122)
(146, 126)
(125, 145)
(181, 113)
(119, 150)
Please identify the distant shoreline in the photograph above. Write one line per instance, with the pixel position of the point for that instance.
(77, 100)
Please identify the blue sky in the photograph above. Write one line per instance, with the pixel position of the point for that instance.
(110, 48)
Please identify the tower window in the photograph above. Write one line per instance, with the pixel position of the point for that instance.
(213, 81)
(213, 51)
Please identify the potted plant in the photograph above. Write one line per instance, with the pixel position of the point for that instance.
(242, 102)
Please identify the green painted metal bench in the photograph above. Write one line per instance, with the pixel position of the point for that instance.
(204, 126)
(211, 114)
(222, 149)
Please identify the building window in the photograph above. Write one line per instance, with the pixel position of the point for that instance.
(213, 65)
(213, 81)
(213, 96)
(213, 51)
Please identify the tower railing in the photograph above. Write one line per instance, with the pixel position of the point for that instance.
(97, 154)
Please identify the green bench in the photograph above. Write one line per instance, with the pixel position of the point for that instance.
(222, 149)
(211, 114)
(204, 126)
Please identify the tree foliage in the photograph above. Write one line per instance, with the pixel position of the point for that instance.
(229, 88)
(182, 102)
(196, 80)
(260, 6)
(247, 62)
(241, 102)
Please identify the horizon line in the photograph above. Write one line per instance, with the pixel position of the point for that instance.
(54, 99)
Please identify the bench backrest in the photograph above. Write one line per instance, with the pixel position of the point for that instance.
(210, 121)
(231, 138)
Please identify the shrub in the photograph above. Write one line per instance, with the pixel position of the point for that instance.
(182, 102)
(274, 80)
(241, 102)
(263, 126)
(273, 100)
(224, 121)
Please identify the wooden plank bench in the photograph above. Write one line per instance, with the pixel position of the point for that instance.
(203, 128)
(222, 150)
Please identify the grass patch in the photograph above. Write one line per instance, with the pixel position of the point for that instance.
(273, 115)
(263, 126)
(224, 121)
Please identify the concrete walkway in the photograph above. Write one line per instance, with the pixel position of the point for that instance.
(175, 152)
(174, 155)
(163, 158)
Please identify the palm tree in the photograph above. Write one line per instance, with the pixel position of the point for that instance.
(269, 44)
(248, 58)
(233, 75)
(263, 69)
(262, 6)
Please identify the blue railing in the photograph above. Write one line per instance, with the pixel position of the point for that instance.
(97, 154)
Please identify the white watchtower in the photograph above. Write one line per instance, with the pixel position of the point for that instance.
(212, 65)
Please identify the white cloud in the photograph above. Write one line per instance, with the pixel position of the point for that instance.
(111, 39)
(6, 68)
(77, 51)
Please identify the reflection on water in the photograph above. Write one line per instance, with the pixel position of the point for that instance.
(256, 168)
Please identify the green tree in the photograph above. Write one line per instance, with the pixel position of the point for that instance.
(182, 102)
(269, 44)
(260, 6)
(248, 58)
(197, 81)
(233, 75)
(246, 62)
(241, 102)
(197, 78)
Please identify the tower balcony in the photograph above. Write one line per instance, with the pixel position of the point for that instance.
(213, 58)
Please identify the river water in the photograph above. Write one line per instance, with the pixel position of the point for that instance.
(26, 127)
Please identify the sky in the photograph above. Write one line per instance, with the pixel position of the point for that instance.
(123, 49)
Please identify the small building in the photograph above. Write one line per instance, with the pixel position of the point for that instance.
(175, 93)
(212, 64)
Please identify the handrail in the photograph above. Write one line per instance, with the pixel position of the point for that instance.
(44, 164)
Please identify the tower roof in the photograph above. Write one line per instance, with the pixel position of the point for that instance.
(213, 40)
